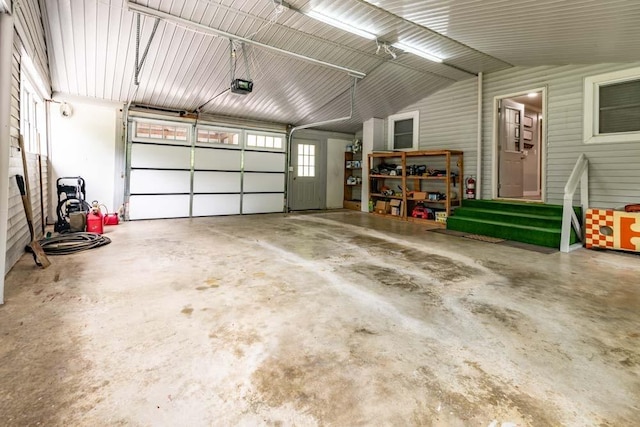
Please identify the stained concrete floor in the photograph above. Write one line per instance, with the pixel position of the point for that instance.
(335, 318)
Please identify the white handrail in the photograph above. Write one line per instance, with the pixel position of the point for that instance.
(579, 176)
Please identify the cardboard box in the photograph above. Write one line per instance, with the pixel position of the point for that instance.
(382, 207)
(441, 217)
(419, 195)
(395, 207)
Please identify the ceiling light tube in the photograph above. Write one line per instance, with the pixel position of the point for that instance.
(418, 52)
(342, 25)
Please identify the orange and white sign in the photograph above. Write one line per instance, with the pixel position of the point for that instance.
(609, 229)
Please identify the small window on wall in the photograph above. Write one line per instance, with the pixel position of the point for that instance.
(211, 136)
(612, 107)
(265, 141)
(306, 160)
(160, 131)
(403, 131)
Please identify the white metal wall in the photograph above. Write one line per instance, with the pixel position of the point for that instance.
(614, 171)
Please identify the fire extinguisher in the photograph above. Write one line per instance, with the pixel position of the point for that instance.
(471, 187)
(95, 219)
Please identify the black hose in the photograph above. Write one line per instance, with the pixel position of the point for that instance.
(68, 243)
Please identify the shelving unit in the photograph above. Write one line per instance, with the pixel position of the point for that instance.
(436, 173)
(352, 191)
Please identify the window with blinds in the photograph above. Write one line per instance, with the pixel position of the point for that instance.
(612, 107)
(619, 107)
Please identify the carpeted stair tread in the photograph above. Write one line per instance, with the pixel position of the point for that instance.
(520, 233)
(507, 224)
(469, 212)
(518, 207)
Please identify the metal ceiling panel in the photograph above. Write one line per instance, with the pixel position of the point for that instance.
(532, 32)
(92, 44)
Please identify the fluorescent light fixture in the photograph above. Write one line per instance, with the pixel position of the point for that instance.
(342, 25)
(532, 95)
(418, 52)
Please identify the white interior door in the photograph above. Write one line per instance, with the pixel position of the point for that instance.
(510, 149)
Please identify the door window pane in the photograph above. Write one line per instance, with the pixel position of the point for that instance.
(306, 160)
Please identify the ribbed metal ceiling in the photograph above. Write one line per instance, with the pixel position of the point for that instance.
(533, 32)
(92, 45)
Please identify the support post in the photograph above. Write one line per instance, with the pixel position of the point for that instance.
(6, 59)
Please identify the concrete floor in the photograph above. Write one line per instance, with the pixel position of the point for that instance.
(336, 318)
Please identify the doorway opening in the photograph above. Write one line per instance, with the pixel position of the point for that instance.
(519, 146)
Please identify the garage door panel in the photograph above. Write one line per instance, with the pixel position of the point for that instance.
(158, 206)
(263, 182)
(159, 181)
(264, 161)
(160, 157)
(212, 159)
(216, 204)
(262, 203)
(216, 182)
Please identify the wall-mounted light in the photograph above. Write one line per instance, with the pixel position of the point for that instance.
(417, 52)
(339, 24)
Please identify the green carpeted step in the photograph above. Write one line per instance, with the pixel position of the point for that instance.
(519, 233)
(534, 220)
(516, 207)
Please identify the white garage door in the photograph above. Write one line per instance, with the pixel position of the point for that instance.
(160, 171)
(223, 172)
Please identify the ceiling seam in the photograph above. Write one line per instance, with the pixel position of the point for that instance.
(436, 33)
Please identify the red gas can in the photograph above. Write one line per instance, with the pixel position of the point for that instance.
(94, 222)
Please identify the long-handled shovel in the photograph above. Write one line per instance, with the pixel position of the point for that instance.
(34, 247)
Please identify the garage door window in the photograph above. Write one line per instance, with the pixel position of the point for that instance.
(264, 141)
(160, 131)
(212, 136)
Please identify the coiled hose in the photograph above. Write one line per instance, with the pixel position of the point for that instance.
(68, 243)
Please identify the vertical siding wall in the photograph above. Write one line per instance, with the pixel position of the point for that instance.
(614, 178)
(18, 232)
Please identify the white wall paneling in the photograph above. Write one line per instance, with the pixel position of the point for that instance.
(217, 159)
(150, 181)
(84, 144)
(263, 182)
(216, 182)
(262, 203)
(158, 206)
(160, 156)
(216, 204)
(261, 161)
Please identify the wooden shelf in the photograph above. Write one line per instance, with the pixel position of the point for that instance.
(352, 192)
(450, 161)
(387, 176)
(385, 196)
